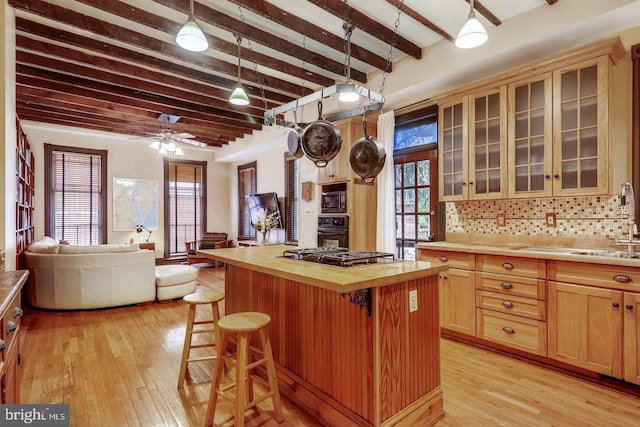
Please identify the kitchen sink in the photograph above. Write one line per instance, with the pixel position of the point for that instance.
(586, 252)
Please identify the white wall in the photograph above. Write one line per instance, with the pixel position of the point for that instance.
(129, 159)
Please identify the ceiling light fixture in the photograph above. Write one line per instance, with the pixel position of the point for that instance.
(166, 146)
(190, 36)
(472, 34)
(348, 91)
(239, 96)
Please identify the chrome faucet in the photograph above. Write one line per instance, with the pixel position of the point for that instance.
(627, 204)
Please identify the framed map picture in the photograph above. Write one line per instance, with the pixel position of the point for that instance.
(135, 203)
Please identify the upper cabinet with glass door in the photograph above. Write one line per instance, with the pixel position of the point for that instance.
(452, 158)
(580, 128)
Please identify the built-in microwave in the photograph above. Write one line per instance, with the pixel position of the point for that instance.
(333, 201)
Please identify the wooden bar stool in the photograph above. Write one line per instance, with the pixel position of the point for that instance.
(195, 299)
(243, 324)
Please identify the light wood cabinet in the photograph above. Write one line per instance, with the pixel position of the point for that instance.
(510, 301)
(457, 290)
(632, 337)
(11, 284)
(585, 327)
(473, 158)
(593, 317)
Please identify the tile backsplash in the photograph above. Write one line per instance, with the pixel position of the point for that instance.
(575, 217)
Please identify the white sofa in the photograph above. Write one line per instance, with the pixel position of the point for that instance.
(68, 277)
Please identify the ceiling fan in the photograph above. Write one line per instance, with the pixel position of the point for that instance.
(166, 140)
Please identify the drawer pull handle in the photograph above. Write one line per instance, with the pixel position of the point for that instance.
(507, 266)
(444, 259)
(3, 346)
(622, 278)
(508, 330)
(629, 306)
(17, 312)
(616, 305)
(506, 285)
(507, 304)
(11, 327)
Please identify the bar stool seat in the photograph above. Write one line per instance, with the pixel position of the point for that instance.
(242, 324)
(196, 327)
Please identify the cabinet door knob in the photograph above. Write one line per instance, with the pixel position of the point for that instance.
(507, 304)
(470, 182)
(629, 307)
(615, 304)
(443, 259)
(556, 176)
(11, 327)
(508, 330)
(3, 346)
(507, 266)
(464, 183)
(17, 312)
(622, 278)
(547, 176)
(506, 285)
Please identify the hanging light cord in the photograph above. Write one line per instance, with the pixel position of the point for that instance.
(255, 63)
(239, 40)
(391, 46)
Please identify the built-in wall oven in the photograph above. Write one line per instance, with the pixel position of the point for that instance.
(333, 231)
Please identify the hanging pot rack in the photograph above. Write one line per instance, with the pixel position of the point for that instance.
(376, 102)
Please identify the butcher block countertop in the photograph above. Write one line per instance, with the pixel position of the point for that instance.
(551, 253)
(269, 259)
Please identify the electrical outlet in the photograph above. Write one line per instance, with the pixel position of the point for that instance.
(501, 220)
(551, 219)
(413, 300)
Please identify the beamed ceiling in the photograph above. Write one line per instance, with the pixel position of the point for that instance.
(113, 65)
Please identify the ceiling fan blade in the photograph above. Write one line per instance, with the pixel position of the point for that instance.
(183, 135)
(168, 118)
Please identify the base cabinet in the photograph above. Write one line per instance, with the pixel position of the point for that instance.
(457, 301)
(585, 327)
(632, 337)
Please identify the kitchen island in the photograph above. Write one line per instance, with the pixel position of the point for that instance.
(346, 346)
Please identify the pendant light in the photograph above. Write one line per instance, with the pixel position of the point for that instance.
(348, 92)
(190, 36)
(472, 33)
(239, 96)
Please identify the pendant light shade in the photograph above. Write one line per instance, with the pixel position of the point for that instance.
(472, 33)
(239, 96)
(348, 93)
(190, 36)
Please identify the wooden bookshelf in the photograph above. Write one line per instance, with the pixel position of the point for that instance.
(24, 195)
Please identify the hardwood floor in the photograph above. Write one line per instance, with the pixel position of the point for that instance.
(119, 367)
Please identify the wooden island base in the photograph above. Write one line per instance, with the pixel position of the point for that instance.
(341, 364)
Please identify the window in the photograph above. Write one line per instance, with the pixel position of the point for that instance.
(185, 201)
(246, 186)
(292, 198)
(416, 179)
(75, 194)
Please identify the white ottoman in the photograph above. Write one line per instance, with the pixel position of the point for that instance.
(175, 281)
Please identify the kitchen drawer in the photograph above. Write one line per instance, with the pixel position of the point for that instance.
(512, 285)
(525, 267)
(11, 321)
(605, 276)
(511, 304)
(461, 260)
(513, 331)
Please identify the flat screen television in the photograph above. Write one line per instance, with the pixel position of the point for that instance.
(267, 201)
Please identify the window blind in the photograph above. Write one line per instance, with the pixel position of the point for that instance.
(246, 186)
(186, 195)
(292, 197)
(75, 195)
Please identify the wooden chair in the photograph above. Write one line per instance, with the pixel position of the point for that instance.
(207, 241)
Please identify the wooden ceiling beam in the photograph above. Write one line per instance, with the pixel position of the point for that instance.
(234, 26)
(125, 35)
(484, 11)
(310, 30)
(370, 26)
(110, 50)
(421, 19)
(40, 78)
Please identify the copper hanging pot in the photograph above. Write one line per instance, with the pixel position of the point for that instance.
(367, 156)
(321, 140)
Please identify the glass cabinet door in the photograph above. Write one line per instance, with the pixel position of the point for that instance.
(580, 128)
(453, 151)
(530, 137)
(487, 144)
